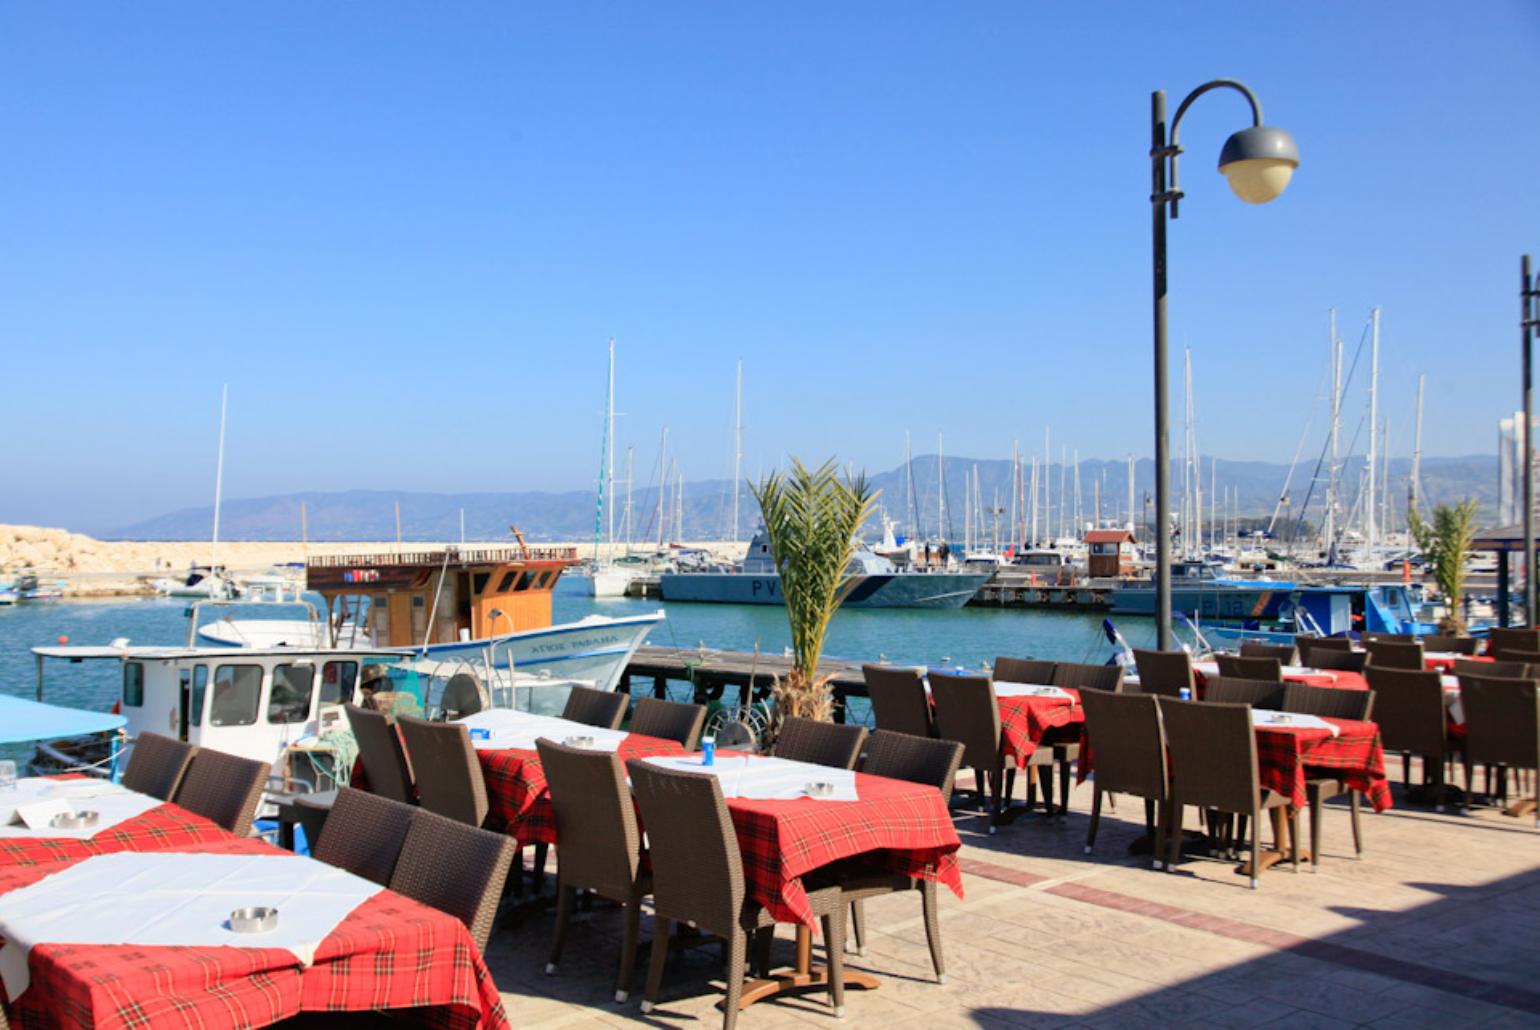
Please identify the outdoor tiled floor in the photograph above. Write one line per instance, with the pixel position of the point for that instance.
(1435, 926)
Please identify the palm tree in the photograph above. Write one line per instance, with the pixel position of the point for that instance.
(811, 518)
(1445, 545)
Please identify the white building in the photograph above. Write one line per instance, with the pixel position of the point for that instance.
(1510, 468)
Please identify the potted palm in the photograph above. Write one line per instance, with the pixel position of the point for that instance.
(811, 518)
(1445, 544)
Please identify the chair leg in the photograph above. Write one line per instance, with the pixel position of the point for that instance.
(1438, 782)
(1031, 787)
(628, 946)
(997, 781)
(1045, 775)
(763, 942)
(542, 852)
(1162, 828)
(1358, 840)
(1010, 783)
(1256, 847)
(1294, 837)
(737, 956)
(661, 929)
(1064, 785)
(834, 952)
(1316, 800)
(858, 925)
(1096, 818)
(1174, 843)
(928, 898)
(565, 896)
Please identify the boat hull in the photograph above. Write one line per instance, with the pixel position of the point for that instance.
(609, 583)
(897, 590)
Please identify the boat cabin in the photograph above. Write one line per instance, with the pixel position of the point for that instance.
(1112, 553)
(440, 597)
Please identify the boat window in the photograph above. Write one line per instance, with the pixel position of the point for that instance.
(338, 682)
(508, 578)
(290, 697)
(200, 686)
(133, 684)
(526, 580)
(479, 582)
(237, 691)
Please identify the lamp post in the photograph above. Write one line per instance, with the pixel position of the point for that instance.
(1258, 162)
(1529, 319)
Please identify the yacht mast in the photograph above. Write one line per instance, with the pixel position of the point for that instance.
(627, 518)
(1131, 520)
(219, 482)
(940, 491)
(1370, 528)
(1079, 509)
(662, 485)
(1414, 487)
(968, 512)
(1034, 501)
(737, 447)
(1334, 360)
(915, 531)
(1047, 475)
(1213, 501)
(1015, 486)
(1063, 487)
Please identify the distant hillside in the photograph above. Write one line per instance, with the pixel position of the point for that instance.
(370, 514)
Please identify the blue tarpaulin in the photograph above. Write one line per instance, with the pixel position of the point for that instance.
(22, 721)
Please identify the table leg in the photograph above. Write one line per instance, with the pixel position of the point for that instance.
(802, 976)
(1283, 829)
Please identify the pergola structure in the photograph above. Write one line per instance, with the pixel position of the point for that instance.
(1504, 541)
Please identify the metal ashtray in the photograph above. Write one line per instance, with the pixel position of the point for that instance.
(74, 820)
(259, 919)
(1282, 719)
(580, 741)
(819, 789)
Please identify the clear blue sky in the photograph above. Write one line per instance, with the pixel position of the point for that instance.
(403, 232)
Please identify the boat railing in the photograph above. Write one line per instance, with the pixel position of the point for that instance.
(479, 556)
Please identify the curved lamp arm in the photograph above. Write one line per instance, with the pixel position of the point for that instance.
(1173, 149)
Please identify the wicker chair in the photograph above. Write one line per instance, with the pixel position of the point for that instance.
(379, 748)
(669, 720)
(363, 834)
(1336, 659)
(1126, 735)
(1388, 638)
(1395, 655)
(968, 713)
(449, 777)
(1076, 676)
(1233, 690)
(900, 756)
(1514, 656)
(157, 765)
(898, 700)
(455, 868)
(1287, 654)
(1166, 673)
(605, 709)
(698, 879)
(1081, 676)
(1236, 667)
(1500, 641)
(1513, 670)
(225, 788)
(823, 743)
(598, 844)
(1502, 719)
(1214, 753)
(1023, 670)
(1450, 645)
(1307, 644)
(1329, 703)
(1409, 708)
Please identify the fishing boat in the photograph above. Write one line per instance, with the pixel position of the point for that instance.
(200, 581)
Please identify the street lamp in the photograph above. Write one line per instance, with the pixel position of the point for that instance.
(1529, 320)
(1258, 163)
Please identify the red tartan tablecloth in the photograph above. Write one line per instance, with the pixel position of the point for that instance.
(1286, 754)
(1025, 721)
(907, 824)
(1341, 679)
(390, 952)
(516, 787)
(163, 828)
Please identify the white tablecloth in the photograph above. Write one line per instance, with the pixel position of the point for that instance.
(1005, 688)
(174, 899)
(506, 728)
(1452, 700)
(112, 802)
(1265, 717)
(766, 778)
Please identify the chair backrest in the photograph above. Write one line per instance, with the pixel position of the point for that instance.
(1395, 654)
(1502, 721)
(1328, 702)
(455, 868)
(1164, 672)
(1449, 645)
(157, 765)
(669, 720)
(1500, 640)
(1083, 676)
(902, 756)
(898, 699)
(1213, 754)
(1389, 638)
(224, 788)
(1236, 667)
(697, 867)
(1024, 670)
(1501, 670)
(1336, 659)
(1305, 641)
(449, 777)
(597, 840)
(1128, 741)
(967, 712)
(1287, 654)
(822, 743)
(363, 834)
(605, 709)
(462, 696)
(1513, 656)
(1409, 708)
(1233, 690)
(379, 748)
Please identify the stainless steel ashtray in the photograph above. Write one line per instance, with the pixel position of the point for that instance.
(819, 789)
(254, 920)
(74, 820)
(579, 741)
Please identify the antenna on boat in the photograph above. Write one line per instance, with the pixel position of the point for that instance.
(219, 481)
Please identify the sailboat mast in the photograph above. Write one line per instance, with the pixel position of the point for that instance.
(1015, 485)
(1063, 486)
(1334, 359)
(968, 513)
(1414, 487)
(737, 447)
(1033, 540)
(662, 484)
(915, 530)
(1047, 487)
(609, 452)
(940, 490)
(1370, 527)
(1079, 509)
(219, 479)
(1213, 501)
(627, 519)
(1132, 521)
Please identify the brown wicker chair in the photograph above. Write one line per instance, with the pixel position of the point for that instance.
(823, 743)
(223, 787)
(968, 713)
(1409, 708)
(898, 700)
(1395, 655)
(455, 868)
(380, 750)
(1514, 656)
(1502, 719)
(1449, 645)
(1388, 638)
(1287, 654)
(1166, 673)
(1236, 667)
(1500, 641)
(605, 709)
(1232, 690)
(1214, 752)
(1307, 644)
(669, 720)
(1082, 676)
(1336, 660)
(1329, 703)
(598, 845)
(363, 834)
(900, 756)
(157, 764)
(1129, 742)
(1023, 670)
(698, 879)
(1514, 670)
(449, 777)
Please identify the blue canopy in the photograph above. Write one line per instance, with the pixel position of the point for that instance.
(22, 720)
